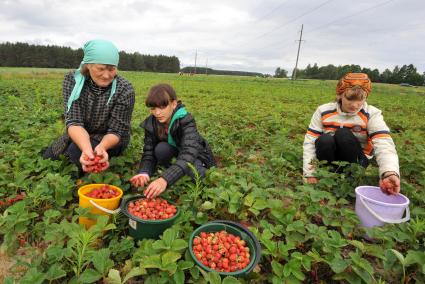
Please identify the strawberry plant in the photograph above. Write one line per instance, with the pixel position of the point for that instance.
(255, 126)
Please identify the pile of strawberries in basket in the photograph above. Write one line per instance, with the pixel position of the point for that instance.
(103, 192)
(221, 251)
(152, 209)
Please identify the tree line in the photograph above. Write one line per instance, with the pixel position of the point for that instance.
(52, 56)
(407, 74)
(203, 70)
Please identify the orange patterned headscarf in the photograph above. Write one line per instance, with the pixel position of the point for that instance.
(354, 79)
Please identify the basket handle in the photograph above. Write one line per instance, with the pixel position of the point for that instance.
(371, 211)
(116, 211)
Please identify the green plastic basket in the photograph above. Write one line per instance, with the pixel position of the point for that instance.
(215, 227)
(146, 229)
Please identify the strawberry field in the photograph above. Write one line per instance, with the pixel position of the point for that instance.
(256, 127)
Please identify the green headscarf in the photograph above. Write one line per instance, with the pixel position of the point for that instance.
(95, 51)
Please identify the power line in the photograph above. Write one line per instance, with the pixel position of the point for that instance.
(333, 22)
(272, 11)
(285, 24)
(294, 19)
(352, 15)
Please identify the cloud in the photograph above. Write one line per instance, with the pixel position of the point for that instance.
(247, 35)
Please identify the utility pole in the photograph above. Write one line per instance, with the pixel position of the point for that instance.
(196, 55)
(206, 67)
(294, 73)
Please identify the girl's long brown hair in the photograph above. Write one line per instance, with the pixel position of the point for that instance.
(160, 95)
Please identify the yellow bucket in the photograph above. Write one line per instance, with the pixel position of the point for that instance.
(98, 206)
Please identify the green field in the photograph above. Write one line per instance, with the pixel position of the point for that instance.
(256, 126)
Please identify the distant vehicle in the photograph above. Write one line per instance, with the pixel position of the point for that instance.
(406, 85)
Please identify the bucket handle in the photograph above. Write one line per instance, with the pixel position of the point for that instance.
(105, 209)
(383, 219)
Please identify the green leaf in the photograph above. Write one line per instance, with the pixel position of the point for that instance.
(113, 277)
(160, 245)
(277, 280)
(357, 244)
(270, 245)
(415, 257)
(402, 261)
(101, 261)
(33, 276)
(194, 272)
(169, 236)
(267, 234)
(230, 280)
(135, 271)
(52, 213)
(260, 204)
(361, 262)
(207, 205)
(179, 244)
(170, 257)
(363, 274)
(297, 226)
(277, 268)
(152, 261)
(338, 265)
(254, 211)
(201, 218)
(249, 200)
(213, 278)
(178, 277)
(89, 276)
(55, 272)
(184, 264)
(298, 274)
(286, 270)
(350, 277)
(170, 267)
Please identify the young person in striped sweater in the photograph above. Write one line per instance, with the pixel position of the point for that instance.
(351, 130)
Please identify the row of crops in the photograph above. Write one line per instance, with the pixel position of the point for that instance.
(256, 126)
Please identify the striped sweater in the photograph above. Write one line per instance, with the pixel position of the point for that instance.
(367, 125)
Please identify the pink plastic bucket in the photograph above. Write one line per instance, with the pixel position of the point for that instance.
(375, 208)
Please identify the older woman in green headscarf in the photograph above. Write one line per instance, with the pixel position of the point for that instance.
(98, 108)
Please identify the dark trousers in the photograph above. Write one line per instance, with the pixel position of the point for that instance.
(164, 153)
(343, 146)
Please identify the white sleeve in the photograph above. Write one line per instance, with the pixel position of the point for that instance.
(315, 129)
(383, 144)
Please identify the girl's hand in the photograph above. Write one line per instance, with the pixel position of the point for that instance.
(140, 180)
(155, 188)
(312, 180)
(390, 183)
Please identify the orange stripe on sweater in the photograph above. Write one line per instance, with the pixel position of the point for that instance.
(381, 136)
(368, 147)
(363, 117)
(329, 115)
(340, 124)
(313, 134)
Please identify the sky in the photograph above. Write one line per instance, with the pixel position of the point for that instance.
(246, 35)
